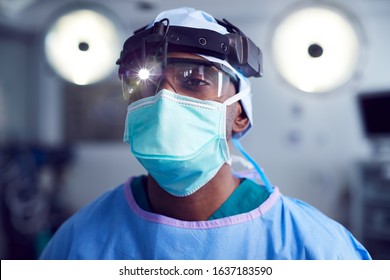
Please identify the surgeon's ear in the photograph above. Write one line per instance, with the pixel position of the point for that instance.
(241, 121)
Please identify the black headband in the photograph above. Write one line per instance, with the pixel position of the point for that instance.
(234, 47)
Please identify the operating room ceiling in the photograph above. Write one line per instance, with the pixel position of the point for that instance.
(35, 15)
(258, 18)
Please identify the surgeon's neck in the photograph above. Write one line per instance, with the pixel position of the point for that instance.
(198, 206)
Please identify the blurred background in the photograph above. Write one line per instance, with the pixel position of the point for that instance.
(321, 112)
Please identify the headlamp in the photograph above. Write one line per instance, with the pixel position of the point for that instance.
(143, 74)
(156, 41)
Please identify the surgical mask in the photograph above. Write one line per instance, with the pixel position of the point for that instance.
(179, 140)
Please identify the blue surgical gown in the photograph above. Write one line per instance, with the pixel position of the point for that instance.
(115, 227)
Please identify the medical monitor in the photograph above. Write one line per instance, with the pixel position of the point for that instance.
(374, 109)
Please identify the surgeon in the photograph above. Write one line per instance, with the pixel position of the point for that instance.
(186, 79)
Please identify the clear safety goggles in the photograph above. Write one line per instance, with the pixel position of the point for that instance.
(196, 78)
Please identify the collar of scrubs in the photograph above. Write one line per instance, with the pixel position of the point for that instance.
(247, 197)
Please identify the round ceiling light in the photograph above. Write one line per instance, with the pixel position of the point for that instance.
(82, 46)
(316, 49)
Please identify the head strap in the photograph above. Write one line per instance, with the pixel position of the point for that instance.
(157, 40)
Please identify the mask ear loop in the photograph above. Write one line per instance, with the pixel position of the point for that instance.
(259, 170)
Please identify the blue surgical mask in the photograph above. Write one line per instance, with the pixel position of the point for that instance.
(179, 140)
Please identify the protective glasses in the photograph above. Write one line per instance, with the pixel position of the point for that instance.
(196, 78)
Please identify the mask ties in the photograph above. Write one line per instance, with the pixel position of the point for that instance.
(258, 169)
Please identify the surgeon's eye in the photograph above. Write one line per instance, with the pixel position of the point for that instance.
(195, 79)
(194, 83)
(196, 87)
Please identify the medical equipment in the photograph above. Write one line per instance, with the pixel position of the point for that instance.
(148, 48)
(234, 47)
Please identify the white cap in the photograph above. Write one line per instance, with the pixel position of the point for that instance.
(189, 17)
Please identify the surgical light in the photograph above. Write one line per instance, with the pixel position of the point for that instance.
(82, 46)
(316, 48)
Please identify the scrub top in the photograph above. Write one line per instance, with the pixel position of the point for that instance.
(246, 197)
(115, 227)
